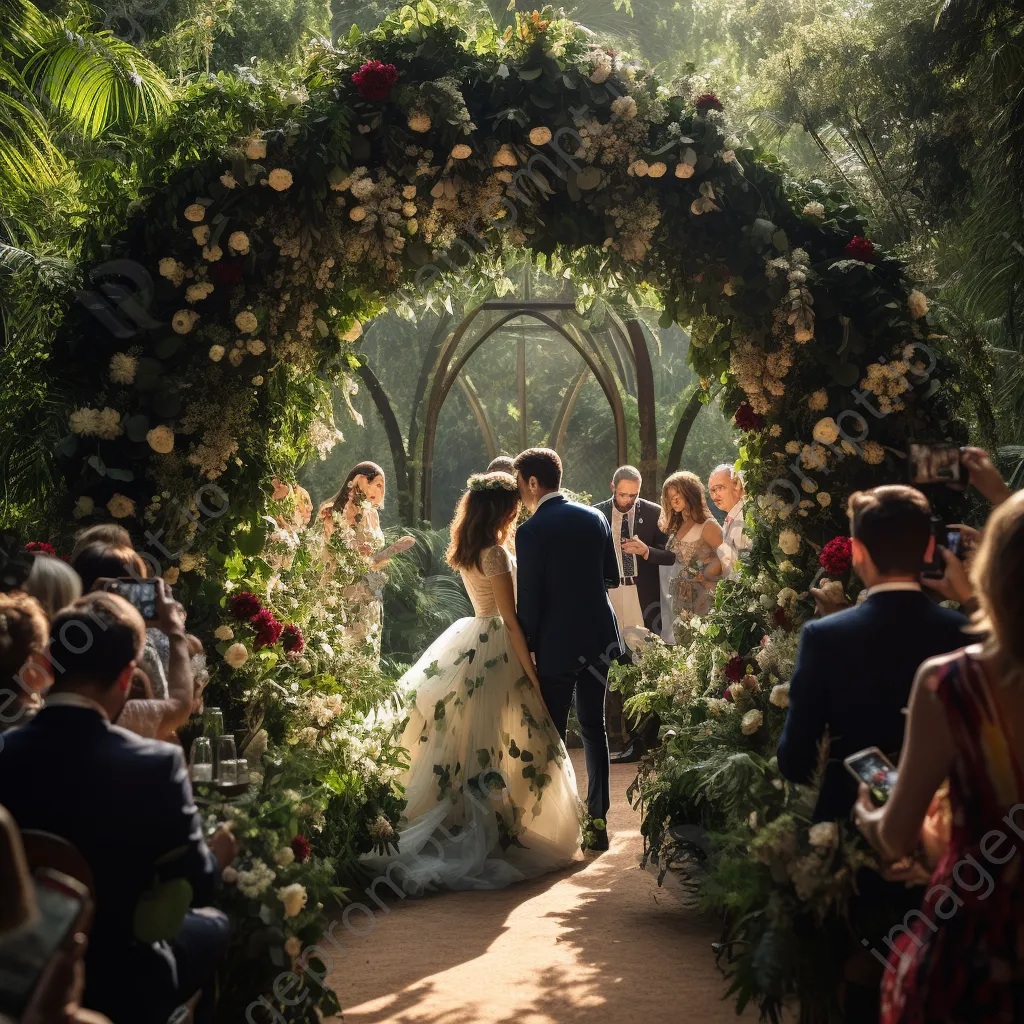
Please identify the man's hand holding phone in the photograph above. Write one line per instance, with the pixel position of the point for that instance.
(953, 584)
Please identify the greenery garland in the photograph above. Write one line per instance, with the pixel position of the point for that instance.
(274, 222)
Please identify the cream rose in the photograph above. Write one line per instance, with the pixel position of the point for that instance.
(201, 234)
(751, 722)
(824, 835)
(239, 242)
(246, 321)
(917, 303)
(657, 169)
(818, 400)
(236, 655)
(357, 213)
(256, 346)
(184, 320)
(824, 499)
(169, 267)
(684, 170)
(419, 121)
(195, 213)
(540, 136)
(624, 107)
(256, 149)
(789, 542)
(279, 179)
(779, 696)
(198, 291)
(224, 632)
(212, 253)
(228, 180)
(171, 575)
(294, 899)
(639, 168)
(284, 857)
(815, 210)
(216, 353)
(84, 506)
(121, 507)
(826, 431)
(504, 157)
(461, 151)
(293, 946)
(161, 439)
(229, 875)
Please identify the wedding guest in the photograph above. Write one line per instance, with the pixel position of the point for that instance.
(854, 668)
(101, 533)
(725, 485)
(125, 803)
(24, 637)
(53, 583)
(960, 957)
(502, 464)
(640, 551)
(983, 475)
(694, 537)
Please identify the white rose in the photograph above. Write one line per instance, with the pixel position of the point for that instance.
(826, 431)
(824, 835)
(256, 149)
(728, 156)
(624, 107)
(161, 439)
(284, 857)
(201, 234)
(824, 499)
(228, 180)
(236, 655)
(246, 322)
(751, 722)
(198, 291)
(279, 179)
(229, 875)
(419, 121)
(212, 253)
(357, 213)
(239, 241)
(168, 266)
(917, 303)
(656, 170)
(121, 507)
(540, 136)
(293, 946)
(84, 506)
(815, 210)
(461, 151)
(504, 157)
(216, 353)
(789, 542)
(224, 632)
(684, 170)
(780, 695)
(184, 320)
(171, 575)
(195, 213)
(639, 168)
(256, 346)
(293, 897)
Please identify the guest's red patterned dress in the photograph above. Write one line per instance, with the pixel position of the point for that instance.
(965, 961)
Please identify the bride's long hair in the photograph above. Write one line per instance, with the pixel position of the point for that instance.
(368, 469)
(483, 518)
(689, 487)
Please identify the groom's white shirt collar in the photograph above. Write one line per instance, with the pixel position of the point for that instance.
(550, 494)
(883, 588)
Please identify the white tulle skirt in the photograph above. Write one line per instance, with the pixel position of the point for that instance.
(490, 788)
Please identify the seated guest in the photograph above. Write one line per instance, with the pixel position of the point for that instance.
(101, 533)
(960, 957)
(725, 485)
(126, 804)
(854, 668)
(53, 583)
(24, 666)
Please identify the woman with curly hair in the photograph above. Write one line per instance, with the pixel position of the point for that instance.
(491, 793)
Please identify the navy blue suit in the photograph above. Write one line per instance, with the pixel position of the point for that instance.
(124, 802)
(566, 563)
(853, 675)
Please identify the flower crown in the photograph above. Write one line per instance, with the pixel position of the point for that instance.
(492, 482)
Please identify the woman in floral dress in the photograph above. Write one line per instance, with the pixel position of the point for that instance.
(688, 586)
(352, 534)
(961, 958)
(491, 794)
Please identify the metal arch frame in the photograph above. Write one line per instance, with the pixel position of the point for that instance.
(446, 374)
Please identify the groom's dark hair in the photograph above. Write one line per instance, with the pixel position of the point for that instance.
(544, 464)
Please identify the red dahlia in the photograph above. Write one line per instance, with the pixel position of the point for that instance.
(837, 556)
(707, 101)
(292, 641)
(300, 847)
(779, 615)
(226, 273)
(747, 419)
(41, 547)
(860, 249)
(373, 80)
(245, 605)
(735, 669)
(268, 629)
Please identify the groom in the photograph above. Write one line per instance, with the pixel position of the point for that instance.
(567, 563)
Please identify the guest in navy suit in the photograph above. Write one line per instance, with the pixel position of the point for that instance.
(855, 667)
(126, 804)
(567, 564)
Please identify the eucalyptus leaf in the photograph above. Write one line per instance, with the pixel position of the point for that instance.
(530, 74)
(588, 178)
(124, 475)
(846, 374)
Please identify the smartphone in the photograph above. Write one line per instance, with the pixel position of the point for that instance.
(141, 594)
(948, 537)
(63, 905)
(873, 768)
(934, 464)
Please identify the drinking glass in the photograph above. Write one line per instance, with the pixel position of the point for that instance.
(213, 722)
(201, 760)
(227, 759)
(242, 770)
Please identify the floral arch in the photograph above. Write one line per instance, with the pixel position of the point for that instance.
(199, 360)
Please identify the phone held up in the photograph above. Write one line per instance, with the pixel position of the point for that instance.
(875, 770)
(141, 594)
(936, 464)
(63, 906)
(950, 538)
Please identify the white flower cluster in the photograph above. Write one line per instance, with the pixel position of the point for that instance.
(777, 653)
(888, 381)
(102, 423)
(255, 882)
(798, 302)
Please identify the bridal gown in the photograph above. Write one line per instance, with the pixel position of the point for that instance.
(491, 791)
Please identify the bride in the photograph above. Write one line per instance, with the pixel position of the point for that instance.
(491, 793)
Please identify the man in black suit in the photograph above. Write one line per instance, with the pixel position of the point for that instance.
(126, 804)
(566, 565)
(855, 668)
(640, 552)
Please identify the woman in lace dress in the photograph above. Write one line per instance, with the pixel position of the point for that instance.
(491, 793)
(688, 586)
(351, 521)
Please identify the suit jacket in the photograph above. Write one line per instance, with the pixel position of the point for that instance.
(566, 563)
(648, 583)
(853, 675)
(124, 802)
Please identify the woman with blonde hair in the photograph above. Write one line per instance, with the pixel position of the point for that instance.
(491, 794)
(688, 586)
(24, 659)
(53, 583)
(960, 959)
